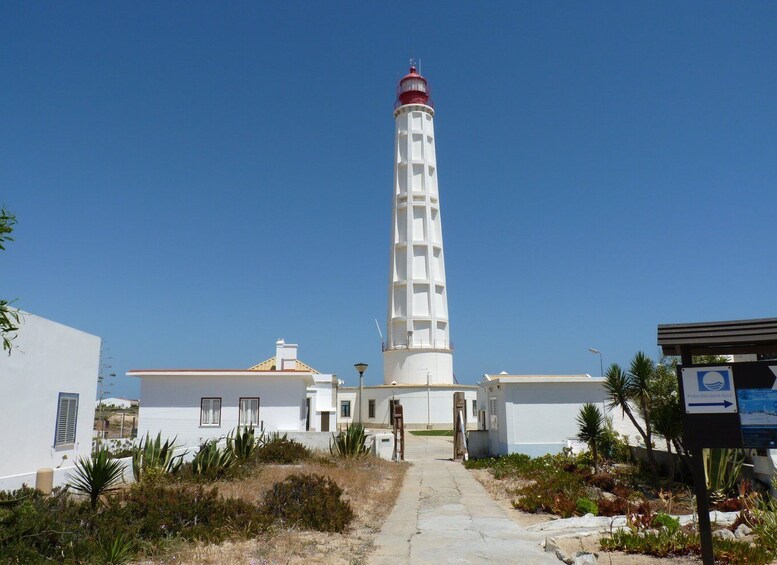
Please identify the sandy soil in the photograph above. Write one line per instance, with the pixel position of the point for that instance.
(501, 491)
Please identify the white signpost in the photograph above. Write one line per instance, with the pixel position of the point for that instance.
(709, 390)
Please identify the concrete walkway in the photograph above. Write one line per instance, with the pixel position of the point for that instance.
(444, 515)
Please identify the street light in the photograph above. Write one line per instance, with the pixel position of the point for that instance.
(361, 367)
(599, 353)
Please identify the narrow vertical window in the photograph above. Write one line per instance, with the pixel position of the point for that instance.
(67, 416)
(249, 412)
(475, 408)
(345, 409)
(371, 409)
(210, 412)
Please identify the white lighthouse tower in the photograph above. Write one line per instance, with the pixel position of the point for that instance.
(418, 349)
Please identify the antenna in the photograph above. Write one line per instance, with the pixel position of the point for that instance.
(412, 61)
(379, 332)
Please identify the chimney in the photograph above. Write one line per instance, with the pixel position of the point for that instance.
(285, 356)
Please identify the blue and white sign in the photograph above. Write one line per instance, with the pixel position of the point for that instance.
(709, 390)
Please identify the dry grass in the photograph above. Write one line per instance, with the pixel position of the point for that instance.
(370, 484)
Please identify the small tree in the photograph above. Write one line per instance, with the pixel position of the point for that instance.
(624, 388)
(590, 428)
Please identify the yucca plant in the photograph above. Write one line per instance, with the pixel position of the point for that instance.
(97, 475)
(210, 460)
(590, 428)
(148, 455)
(350, 443)
(242, 443)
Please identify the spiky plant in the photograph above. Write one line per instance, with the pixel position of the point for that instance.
(117, 550)
(590, 428)
(97, 475)
(242, 443)
(350, 443)
(153, 454)
(211, 461)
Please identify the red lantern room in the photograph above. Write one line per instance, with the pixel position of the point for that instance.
(412, 89)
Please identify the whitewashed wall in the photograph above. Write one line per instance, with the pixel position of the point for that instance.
(414, 403)
(171, 404)
(48, 358)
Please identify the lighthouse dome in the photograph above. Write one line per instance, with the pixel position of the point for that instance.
(412, 89)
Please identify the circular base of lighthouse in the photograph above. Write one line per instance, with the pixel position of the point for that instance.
(414, 366)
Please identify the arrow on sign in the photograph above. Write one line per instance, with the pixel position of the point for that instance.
(773, 369)
(724, 404)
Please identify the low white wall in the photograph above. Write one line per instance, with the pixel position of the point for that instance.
(48, 358)
(171, 404)
(414, 401)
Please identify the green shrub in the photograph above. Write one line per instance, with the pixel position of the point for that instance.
(350, 443)
(586, 506)
(35, 528)
(97, 475)
(679, 542)
(151, 459)
(556, 493)
(210, 461)
(309, 501)
(192, 512)
(281, 450)
(663, 520)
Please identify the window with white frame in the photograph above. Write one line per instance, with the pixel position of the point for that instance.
(210, 412)
(475, 408)
(492, 412)
(345, 409)
(249, 411)
(67, 416)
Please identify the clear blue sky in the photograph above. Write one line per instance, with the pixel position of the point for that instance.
(195, 180)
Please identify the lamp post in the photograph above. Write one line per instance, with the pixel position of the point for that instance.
(599, 353)
(361, 367)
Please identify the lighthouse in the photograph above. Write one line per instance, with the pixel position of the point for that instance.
(417, 349)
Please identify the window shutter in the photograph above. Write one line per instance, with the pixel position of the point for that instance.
(67, 416)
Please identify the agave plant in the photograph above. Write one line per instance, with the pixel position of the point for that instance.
(242, 444)
(97, 475)
(155, 455)
(115, 551)
(721, 469)
(350, 443)
(211, 461)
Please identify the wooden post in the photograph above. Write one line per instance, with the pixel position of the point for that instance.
(700, 487)
(399, 432)
(459, 424)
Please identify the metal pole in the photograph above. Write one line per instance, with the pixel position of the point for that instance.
(361, 389)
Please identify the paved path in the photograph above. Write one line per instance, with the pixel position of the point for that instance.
(444, 515)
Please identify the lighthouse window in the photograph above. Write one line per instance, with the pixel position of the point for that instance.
(413, 84)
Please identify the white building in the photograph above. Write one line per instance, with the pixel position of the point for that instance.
(48, 384)
(194, 405)
(115, 402)
(535, 414)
